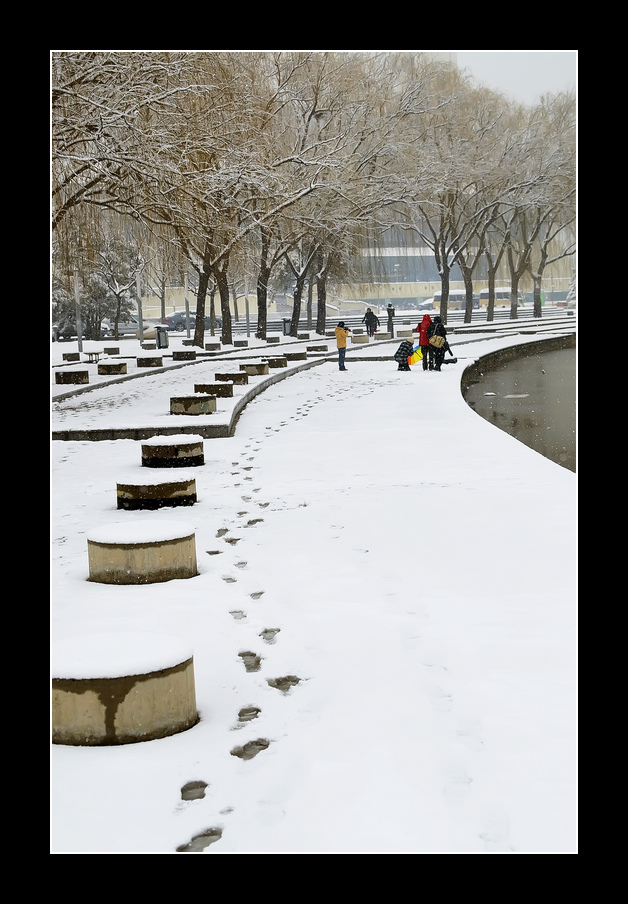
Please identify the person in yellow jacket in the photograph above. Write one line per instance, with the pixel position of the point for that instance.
(342, 332)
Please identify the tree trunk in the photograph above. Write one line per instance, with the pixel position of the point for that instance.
(223, 290)
(296, 308)
(212, 311)
(263, 275)
(321, 302)
(468, 288)
(310, 289)
(199, 328)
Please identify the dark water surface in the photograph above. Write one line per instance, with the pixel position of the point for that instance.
(534, 400)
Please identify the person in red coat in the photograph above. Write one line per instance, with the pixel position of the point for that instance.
(426, 348)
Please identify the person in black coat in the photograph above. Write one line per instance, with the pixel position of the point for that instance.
(437, 328)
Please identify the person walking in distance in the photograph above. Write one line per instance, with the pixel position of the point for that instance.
(371, 322)
(390, 311)
(341, 341)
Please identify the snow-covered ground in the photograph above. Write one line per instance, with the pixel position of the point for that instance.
(410, 567)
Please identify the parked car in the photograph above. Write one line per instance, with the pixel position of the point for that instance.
(128, 326)
(176, 321)
(427, 305)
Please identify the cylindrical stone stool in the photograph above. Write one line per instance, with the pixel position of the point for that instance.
(254, 370)
(110, 689)
(72, 376)
(155, 494)
(150, 362)
(280, 361)
(193, 404)
(105, 370)
(224, 390)
(177, 451)
(142, 553)
(240, 378)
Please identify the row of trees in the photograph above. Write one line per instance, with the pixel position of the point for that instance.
(223, 167)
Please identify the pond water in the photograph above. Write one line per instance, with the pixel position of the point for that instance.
(533, 399)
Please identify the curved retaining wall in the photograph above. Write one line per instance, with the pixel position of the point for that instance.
(208, 431)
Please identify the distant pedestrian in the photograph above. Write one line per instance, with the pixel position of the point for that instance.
(371, 322)
(437, 331)
(403, 353)
(342, 332)
(390, 311)
(424, 342)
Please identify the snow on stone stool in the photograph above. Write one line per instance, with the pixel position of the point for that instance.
(72, 376)
(224, 390)
(254, 370)
(148, 552)
(193, 404)
(110, 689)
(105, 370)
(180, 450)
(151, 494)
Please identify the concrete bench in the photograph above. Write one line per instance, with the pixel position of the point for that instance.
(317, 348)
(108, 370)
(212, 346)
(144, 552)
(71, 376)
(71, 356)
(184, 356)
(359, 340)
(150, 362)
(176, 451)
(296, 356)
(121, 688)
(241, 343)
(154, 495)
(224, 390)
(279, 361)
(241, 378)
(193, 404)
(383, 336)
(273, 340)
(255, 370)
(112, 350)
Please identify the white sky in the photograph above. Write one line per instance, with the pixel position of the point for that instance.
(523, 75)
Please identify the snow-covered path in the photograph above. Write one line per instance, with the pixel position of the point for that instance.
(409, 568)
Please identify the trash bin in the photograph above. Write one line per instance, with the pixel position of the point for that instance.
(162, 336)
(286, 326)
